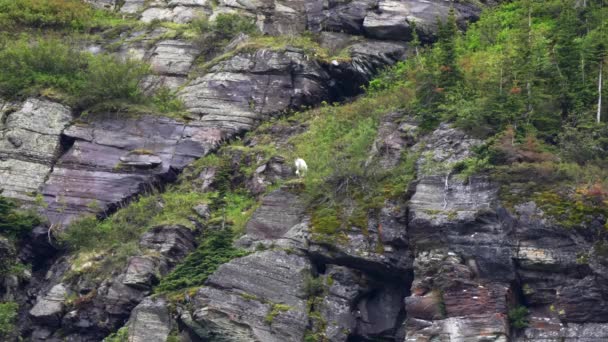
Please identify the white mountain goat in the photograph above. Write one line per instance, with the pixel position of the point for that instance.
(301, 167)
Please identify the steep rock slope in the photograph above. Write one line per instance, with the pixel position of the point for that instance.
(100, 162)
(443, 260)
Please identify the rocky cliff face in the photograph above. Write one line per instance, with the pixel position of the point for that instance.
(446, 260)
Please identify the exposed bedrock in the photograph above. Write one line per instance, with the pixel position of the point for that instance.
(30, 143)
(383, 19)
(73, 304)
(112, 158)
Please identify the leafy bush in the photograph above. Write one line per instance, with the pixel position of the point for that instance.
(518, 317)
(212, 35)
(215, 250)
(8, 313)
(314, 286)
(28, 67)
(585, 143)
(13, 223)
(53, 14)
(87, 233)
(122, 335)
(84, 233)
(166, 101)
(79, 77)
(109, 78)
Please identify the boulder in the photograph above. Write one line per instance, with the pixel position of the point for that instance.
(143, 272)
(49, 308)
(280, 211)
(173, 242)
(393, 18)
(150, 321)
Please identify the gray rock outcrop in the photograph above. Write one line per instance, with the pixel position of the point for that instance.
(30, 143)
(259, 297)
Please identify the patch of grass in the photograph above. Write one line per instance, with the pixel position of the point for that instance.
(275, 311)
(325, 221)
(102, 247)
(571, 194)
(62, 71)
(213, 35)
(91, 83)
(343, 185)
(130, 222)
(305, 42)
(73, 15)
(215, 250)
(572, 210)
(8, 314)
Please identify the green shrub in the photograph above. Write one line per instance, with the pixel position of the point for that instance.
(166, 101)
(84, 233)
(8, 313)
(28, 67)
(53, 67)
(325, 221)
(275, 311)
(53, 14)
(122, 335)
(215, 250)
(519, 317)
(314, 286)
(110, 79)
(127, 225)
(14, 223)
(213, 35)
(585, 143)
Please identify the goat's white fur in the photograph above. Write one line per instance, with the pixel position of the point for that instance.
(301, 167)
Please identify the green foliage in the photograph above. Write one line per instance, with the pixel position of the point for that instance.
(519, 317)
(275, 311)
(314, 286)
(13, 223)
(471, 166)
(62, 70)
(325, 221)
(343, 182)
(110, 79)
(53, 14)
(538, 75)
(215, 250)
(573, 210)
(8, 314)
(87, 233)
(28, 68)
(211, 35)
(122, 335)
(166, 101)
(585, 143)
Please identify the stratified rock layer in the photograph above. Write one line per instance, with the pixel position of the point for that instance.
(30, 143)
